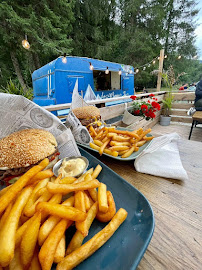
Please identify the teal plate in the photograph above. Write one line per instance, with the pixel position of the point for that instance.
(124, 250)
(131, 157)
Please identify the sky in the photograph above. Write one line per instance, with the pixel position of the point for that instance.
(198, 30)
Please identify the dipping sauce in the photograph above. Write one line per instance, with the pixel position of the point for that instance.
(72, 167)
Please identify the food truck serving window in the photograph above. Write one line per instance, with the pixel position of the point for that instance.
(102, 81)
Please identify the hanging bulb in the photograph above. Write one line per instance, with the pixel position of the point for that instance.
(149, 65)
(64, 59)
(120, 72)
(179, 57)
(107, 71)
(165, 56)
(91, 66)
(154, 61)
(137, 70)
(144, 68)
(25, 43)
(158, 57)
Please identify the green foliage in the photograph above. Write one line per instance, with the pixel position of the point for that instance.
(16, 89)
(169, 79)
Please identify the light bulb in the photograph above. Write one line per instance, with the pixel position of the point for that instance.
(144, 68)
(165, 56)
(158, 57)
(179, 57)
(25, 44)
(64, 59)
(91, 66)
(154, 61)
(137, 70)
(120, 72)
(149, 65)
(107, 71)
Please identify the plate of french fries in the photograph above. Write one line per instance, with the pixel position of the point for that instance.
(119, 143)
(96, 221)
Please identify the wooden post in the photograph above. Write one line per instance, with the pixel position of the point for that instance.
(160, 70)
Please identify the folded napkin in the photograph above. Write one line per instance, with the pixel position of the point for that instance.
(162, 158)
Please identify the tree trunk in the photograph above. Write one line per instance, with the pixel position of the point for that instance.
(169, 21)
(36, 60)
(18, 71)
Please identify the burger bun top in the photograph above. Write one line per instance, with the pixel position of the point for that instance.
(86, 112)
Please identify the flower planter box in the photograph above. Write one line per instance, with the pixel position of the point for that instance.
(130, 119)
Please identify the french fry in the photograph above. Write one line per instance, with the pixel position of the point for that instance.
(119, 148)
(129, 152)
(5, 214)
(140, 131)
(93, 194)
(68, 180)
(99, 134)
(81, 178)
(111, 134)
(51, 222)
(88, 177)
(103, 146)
(87, 201)
(12, 192)
(96, 172)
(141, 143)
(57, 198)
(86, 250)
(114, 143)
(105, 139)
(106, 151)
(148, 138)
(8, 230)
(94, 133)
(60, 250)
(62, 211)
(79, 202)
(4, 190)
(35, 264)
(78, 237)
(120, 138)
(29, 240)
(122, 152)
(67, 188)
(105, 217)
(47, 251)
(144, 134)
(40, 176)
(102, 198)
(15, 263)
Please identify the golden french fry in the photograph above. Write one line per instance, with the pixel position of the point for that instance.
(119, 148)
(57, 198)
(40, 176)
(98, 142)
(51, 222)
(105, 217)
(29, 240)
(93, 193)
(47, 251)
(62, 211)
(114, 143)
(5, 214)
(60, 250)
(4, 190)
(15, 263)
(12, 192)
(129, 152)
(99, 134)
(120, 138)
(94, 133)
(111, 134)
(98, 240)
(106, 151)
(122, 152)
(8, 230)
(102, 198)
(35, 264)
(87, 201)
(105, 139)
(67, 188)
(96, 172)
(144, 134)
(88, 177)
(21, 230)
(141, 143)
(139, 131)
(79, 202)
(148, 138)
(133, 140)
(75, 242)
(81, 178)
(103, 146)
(68, 180)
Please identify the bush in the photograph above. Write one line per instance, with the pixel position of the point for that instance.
(17, 89)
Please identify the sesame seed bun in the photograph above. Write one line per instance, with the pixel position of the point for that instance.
(86, 112)
(26, 147)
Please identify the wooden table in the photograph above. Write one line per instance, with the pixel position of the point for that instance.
(177, 206)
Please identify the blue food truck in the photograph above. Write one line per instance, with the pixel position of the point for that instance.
(54, 82)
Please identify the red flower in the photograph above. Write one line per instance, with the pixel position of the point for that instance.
(133, 97)
(156, 105)
(148, 101)
(136, 112)
(147, 114)
(156, 99)
(152, 115)
(144, 108)
(151, 95)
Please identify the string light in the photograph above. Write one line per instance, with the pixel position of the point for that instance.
(154, 61)
(179, 57)
(158, 57)
(91, 66)
(120, 72)
(144, 68)
(25, 43)
(165, 56)
(137, 70)
(64, 59)
(149, 65)
(107, 71)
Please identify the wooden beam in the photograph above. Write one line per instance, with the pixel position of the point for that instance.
(184, 96)
(186, 106)
(160, 70)
(181, 119)
(179, 112)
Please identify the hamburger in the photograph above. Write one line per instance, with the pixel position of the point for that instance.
(23, 149)
(88, 116)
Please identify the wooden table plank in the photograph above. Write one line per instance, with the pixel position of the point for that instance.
(177, 205)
